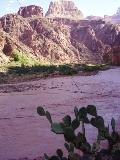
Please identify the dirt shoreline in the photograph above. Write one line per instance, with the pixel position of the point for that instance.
(14, 79)
(24, 134)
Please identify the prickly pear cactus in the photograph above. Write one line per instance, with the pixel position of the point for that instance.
(77, 140)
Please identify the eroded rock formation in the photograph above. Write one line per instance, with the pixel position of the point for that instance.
(64, 9)
(30, 11)
(60, 40)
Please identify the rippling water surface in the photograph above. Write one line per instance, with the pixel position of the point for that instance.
(24, 134)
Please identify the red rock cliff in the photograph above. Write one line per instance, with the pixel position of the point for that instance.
(30, 11)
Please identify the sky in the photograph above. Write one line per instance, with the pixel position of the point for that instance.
(88, 7)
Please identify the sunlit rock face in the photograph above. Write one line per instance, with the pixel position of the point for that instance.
(30, 11)
(64, 9)
(57, 39)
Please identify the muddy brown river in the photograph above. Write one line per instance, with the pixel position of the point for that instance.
(24, 134)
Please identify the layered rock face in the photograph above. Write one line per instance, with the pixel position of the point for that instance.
(60, 40)
(101, 38)
(64, 9)
(30, 11)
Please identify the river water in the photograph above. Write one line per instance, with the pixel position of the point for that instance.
(24, 134)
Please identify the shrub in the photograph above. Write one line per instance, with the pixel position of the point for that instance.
(77, 140)
(23, 59)
(94, 67)
(67, 70)
(44, 69)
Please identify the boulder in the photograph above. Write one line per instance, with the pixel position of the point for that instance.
(8, 48)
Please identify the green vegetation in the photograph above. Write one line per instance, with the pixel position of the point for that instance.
(23, 66)
(93, 67)
(74, 132)
(22, 59)
(65, 69)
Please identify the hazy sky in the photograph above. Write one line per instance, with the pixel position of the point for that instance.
(89, 7)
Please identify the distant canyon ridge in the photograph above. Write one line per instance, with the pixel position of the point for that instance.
(62, 35)
(115, 19)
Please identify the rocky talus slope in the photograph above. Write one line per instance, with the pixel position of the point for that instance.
(59, 40)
